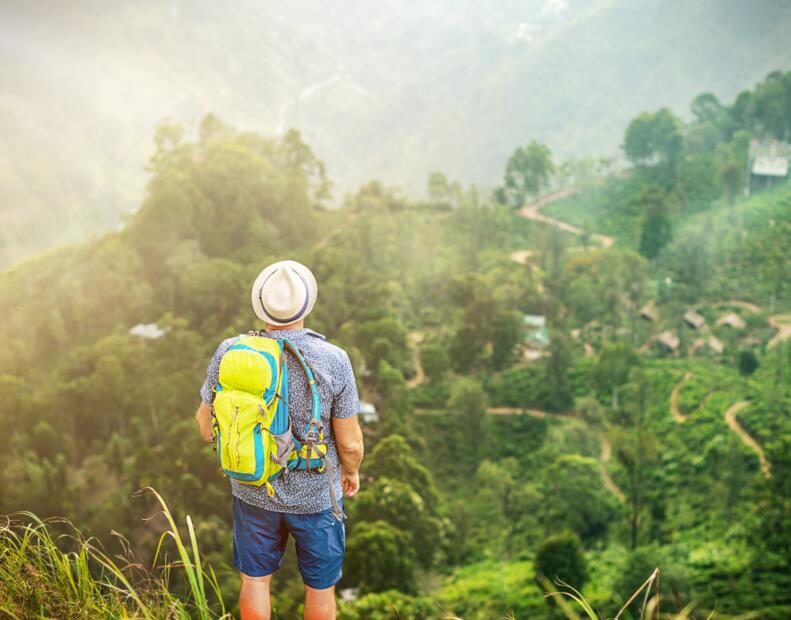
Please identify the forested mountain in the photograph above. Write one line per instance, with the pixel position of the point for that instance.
(379, 90)
(584, 402)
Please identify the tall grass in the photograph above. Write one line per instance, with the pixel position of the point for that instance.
(70, 576)
(569, 600)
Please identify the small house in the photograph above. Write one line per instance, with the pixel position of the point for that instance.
(536, 332)
(149, 331)
(534, 321)
(767, 164)
(694, 319)
(715, 344)
(668, 340)
(648, 312)
(369, 413)
(732, 320)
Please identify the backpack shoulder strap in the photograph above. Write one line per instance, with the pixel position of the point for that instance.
(314, 392)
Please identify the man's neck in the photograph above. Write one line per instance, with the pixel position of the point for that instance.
(275, 328)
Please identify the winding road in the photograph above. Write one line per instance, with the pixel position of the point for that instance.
(532, 211)
(606, 479)
(415, 338)
(736, 303)
(736, 427)
(782, 323)
(674, 410)
(730, 419)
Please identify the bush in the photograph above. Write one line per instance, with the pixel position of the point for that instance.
(380, 558)
(560, 558)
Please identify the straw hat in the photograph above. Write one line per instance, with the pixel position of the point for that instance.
(284, 293)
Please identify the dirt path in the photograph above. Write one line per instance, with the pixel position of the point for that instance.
(736, 303)
(782, 323)
(532, 211)
(415, 338)
(536, 413)
(607, 481)
(674, 411)
(736, 427)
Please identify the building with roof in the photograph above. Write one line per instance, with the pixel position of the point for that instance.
(648, 312)
(368, 413)
(149, 331)
(536, 332)
(715, 344)
(767, 164)
(668, 340)
(694, 319)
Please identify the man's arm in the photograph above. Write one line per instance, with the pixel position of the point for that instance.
(203, 418)
(349, 441)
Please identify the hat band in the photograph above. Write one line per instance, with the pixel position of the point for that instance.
(290, 319)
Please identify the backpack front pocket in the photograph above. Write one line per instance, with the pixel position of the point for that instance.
(240, 441)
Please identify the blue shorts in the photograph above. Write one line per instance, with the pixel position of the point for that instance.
(260, 537)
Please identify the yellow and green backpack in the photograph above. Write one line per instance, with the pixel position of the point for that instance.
(252, 427)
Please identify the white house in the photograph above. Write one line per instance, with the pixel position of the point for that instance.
(368, 413)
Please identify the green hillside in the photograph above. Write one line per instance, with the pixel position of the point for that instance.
(592, 449)
(379, 90)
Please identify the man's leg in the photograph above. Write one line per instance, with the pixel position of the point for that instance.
(259, 540)
(320, 543)
(319, 604)
(254, 597)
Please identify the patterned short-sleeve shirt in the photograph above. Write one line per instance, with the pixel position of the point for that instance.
(296, 491)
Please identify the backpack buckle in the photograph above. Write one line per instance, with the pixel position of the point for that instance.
(314, 429)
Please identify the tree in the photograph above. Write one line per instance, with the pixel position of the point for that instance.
(384, 339)
(435, 361)
(526, 174)
(579, 501)
(589, 410)
(393, 458)
(748, 363)
(506, 332)
(557, 372)
(611, 368)
(657, 228)
(468, 403)
(395, 398)
(560, 558)
(400, 506)
(654, 138)
(442, 192)
(635, 447)
(504, 510)
(706, 108)
(380, 557)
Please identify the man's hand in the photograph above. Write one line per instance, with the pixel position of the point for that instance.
(203, 418)
(349, 441)
(350, 483)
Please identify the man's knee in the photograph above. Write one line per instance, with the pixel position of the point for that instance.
(266, 579)
(319, 604)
